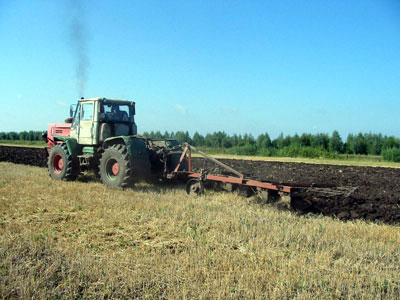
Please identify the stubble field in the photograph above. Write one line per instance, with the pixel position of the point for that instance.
(77, 240)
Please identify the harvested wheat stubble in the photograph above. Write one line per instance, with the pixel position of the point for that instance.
(375, 196)
(80, 240)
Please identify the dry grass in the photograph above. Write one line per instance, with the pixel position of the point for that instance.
(80, 240)
(30, 144)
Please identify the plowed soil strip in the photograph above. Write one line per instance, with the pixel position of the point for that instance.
(374, 193)
(23, 155)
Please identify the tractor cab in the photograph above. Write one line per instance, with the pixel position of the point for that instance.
(96, 119)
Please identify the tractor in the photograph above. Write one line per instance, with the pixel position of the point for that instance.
(101, 136)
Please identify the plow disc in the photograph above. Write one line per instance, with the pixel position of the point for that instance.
(194, 187)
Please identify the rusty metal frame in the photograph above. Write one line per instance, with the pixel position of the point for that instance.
(182, 158)
(240, 180)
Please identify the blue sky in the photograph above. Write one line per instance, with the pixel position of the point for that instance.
(234, 66)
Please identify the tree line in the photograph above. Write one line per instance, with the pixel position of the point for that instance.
(304, 145)
(22, 136)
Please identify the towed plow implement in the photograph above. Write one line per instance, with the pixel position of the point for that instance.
(300, 194)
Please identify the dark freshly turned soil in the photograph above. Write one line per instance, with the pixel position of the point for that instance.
(24, 155)
(370, 193)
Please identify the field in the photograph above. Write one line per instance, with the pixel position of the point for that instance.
(40, 143)
(371, 193)
(344, 160)
(77, 240)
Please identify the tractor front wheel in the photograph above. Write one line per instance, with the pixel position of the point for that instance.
(115, 167)
(62, 165)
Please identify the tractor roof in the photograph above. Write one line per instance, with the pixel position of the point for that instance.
(101, 98)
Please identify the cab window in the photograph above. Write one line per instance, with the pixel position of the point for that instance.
(115, 112)
(87, 112)
(76, 116)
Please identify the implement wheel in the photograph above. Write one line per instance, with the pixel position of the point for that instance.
(194, 187)
(61, 165)
(115, 167)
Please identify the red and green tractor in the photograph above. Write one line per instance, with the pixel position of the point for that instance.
(101, 136)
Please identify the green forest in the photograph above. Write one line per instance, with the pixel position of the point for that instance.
(320, 145)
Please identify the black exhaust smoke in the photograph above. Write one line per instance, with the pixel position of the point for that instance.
(78, 41)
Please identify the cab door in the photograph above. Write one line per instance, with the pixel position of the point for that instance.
(86, 132)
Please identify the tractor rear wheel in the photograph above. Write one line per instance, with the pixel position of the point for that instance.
(115, 167)
(61, 164)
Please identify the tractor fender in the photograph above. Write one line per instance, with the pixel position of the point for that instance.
(136, 146)
(114, 140)
(72, 144)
